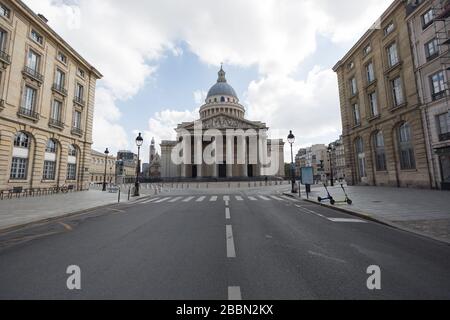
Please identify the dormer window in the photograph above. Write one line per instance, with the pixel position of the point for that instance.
(351, 65)
(80, 73)
(367, 49)
(4, 11)
(389, 28)
(37, 37)
(62, 58)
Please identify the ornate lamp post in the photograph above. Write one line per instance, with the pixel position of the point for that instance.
(139, 142)
(106, 162)
(330, 155)
(291, 140)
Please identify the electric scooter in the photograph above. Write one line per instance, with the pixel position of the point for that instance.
(347, 199)
(329, 197)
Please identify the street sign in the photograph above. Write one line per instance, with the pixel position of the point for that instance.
(307, 175)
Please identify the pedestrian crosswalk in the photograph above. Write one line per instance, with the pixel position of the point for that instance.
(203, 198)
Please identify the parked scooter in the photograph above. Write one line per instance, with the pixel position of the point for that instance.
(347, 199)
(329, 197)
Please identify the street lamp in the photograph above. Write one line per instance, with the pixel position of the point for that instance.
(291, 140)
(139, 142)
(106, 162)
(330, 152)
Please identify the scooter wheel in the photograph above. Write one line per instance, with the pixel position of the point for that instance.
(319, 199)
(349, 201)
(332, 201)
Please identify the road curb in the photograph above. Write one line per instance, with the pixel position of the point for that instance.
(9, 229)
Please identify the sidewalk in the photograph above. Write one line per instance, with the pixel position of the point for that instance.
(426, 212)
(14, 212)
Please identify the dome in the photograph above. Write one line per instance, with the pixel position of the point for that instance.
(221, 88)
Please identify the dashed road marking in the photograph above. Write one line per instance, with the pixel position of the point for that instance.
(231, 251)
(213, 198)
(239, 198)
(226, 198)
(347, 220)
(234, 293)
(227, 213)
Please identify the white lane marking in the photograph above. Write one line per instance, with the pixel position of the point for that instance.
(252, 198)
(227, 203)
(148, 201)
(227, 213)
(310, 211)
(162, 200)
(239, 198)
(276, 198)
(234, 293)
(264, 198)
(231, 251)
(201, 199)
(213, 198)
(226, 198)
(176, 199)
(347, 220)
(188, 199)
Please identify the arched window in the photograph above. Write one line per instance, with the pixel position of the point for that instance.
(21, 153)
(406, 149)
(215, 99)
(222, 99)
(380, 154)
(361, 157)
(72, 163)
(50, 160)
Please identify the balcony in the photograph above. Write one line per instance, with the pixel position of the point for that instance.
(444, 137)
(56, 123)
(4, 57)
(60, 89)
(77, 131)
(79, 101)
(438, 95)
(28, 113)
(33, 74)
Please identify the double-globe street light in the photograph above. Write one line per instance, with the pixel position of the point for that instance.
(106, 162)
(291, 140)
(139, 142)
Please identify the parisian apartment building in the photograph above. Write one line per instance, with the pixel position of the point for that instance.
(47, 93)
(102, 168)
(393, 92)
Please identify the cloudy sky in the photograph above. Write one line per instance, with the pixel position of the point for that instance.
(159, 58)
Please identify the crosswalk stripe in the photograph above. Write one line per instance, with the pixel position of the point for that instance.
(188, 199)
(163, 199)
(148, 201)
(264, 198)
(239, 198)
(276, 198)
(346, 220)
(200, 199)
(176, 199)
(213, 198)
(226, 198)
(253, 198)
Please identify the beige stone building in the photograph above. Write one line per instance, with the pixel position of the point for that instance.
(383, 131)
(47, 93)
(429, 25)
(247, 154)
(97, 168)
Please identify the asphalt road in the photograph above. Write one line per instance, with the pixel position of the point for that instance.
(190, 247)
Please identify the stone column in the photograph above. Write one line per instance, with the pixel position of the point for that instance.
(245, 152)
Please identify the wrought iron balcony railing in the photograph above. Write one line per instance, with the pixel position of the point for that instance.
(79, 101)
(60, 89)
(34, 74)
(444, 136)
(56, 123)
(6, 58)
(30, 113)
(77, 131)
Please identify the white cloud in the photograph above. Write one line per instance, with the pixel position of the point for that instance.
(200, 96)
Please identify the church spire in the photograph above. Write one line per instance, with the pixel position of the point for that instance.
(221, 74)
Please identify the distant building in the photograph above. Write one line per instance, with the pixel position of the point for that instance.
(126, 167)
(338, 159)
(154, 167)
(97, 167)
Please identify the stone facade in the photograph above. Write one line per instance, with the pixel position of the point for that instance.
(47, 93)
(429, 24)
(383, 131)
(97, 167)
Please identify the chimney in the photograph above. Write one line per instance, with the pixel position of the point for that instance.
(42, 17)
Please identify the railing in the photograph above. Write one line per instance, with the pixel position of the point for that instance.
(444, 136)
(28, 113)
(33, 74)
(438, 95)
(6, 58)
(56, 123)
(59, 88)
(20, 192)
(80, 101)
(77, 131)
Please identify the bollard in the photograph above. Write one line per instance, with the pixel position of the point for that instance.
(129, 193)
(118, 198)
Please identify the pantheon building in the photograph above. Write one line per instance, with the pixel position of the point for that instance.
(239, 148)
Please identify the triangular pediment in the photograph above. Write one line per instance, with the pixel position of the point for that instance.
(224, 121)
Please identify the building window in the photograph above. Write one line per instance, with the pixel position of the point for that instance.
(442, 123)
(373, 104)
(437, 85)
(19, 168)
(3, 39)
(62, 57)
(19, 163)
(427, 18)
(361, 157)
(4, 11)
(222, 99)
(21, 140)
(407, 160)
(431, 49)
(29, 98)
(367, 49)
(37, 37)
(56, 110)
(80, 73)
(397, 91)
(51, 146)
(370, 73)
(389, 28)
(392, 55)
(79, 92)
(33, 61)
(356, 115)
(351, 65)
(72, 151)
(71, 171)
(353, 86)
(380, 154)
(49, 170)
(76, 120)
(60, 79)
